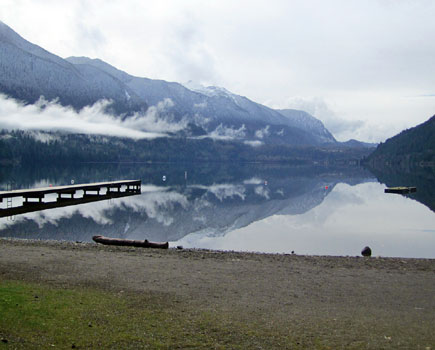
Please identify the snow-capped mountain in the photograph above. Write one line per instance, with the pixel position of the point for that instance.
(27, 72)
(307, 122)
(218, 111)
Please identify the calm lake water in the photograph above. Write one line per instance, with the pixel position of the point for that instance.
(274, 209)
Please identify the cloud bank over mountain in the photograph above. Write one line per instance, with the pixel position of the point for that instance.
(364, 58)
(50, 116)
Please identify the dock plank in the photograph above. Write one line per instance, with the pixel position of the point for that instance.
(36, 192)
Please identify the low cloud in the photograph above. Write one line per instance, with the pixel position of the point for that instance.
(224, 191)
(262, 191)
(43, 137)
(255, 143)
(253, 181)
(200, 105)
(262, 132)
(227, 133)
(50, 116)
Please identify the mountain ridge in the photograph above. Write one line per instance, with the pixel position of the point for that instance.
(413, 145)
(28, 72)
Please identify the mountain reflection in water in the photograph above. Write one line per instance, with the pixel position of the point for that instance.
(203, 207)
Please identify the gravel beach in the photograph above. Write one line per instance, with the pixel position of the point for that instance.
(366, 302)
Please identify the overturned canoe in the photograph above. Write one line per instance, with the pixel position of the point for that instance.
(130, 243)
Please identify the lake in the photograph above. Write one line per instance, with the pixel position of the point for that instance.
(313, 210)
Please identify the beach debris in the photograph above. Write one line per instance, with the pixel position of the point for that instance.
(179, 247)
(366, 251)
(128, 242)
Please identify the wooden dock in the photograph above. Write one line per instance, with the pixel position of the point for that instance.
(34, 199)
(400, 190)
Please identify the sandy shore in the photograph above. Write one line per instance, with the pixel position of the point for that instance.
(351, 295)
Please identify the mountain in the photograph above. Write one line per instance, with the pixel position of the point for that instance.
(307, 122)
(216, 110)
(28, 72)
(415, 146)
(408, 159)
(355, 144)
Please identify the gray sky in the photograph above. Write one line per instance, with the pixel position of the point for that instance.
(365, 68)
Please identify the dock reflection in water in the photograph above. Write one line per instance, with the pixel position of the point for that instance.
(272, 209)
(86, 192)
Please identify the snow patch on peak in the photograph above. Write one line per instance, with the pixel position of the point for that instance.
(210, 91)
(307, 122)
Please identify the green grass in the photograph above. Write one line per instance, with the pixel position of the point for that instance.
(41, 317)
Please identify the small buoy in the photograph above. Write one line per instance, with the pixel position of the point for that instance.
(164, 178)
(366, 251)
(326, 187)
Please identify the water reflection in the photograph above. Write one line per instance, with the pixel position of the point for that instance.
(348, 219)
(421, 177)
(253, 208)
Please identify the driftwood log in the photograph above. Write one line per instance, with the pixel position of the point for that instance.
(129, 242)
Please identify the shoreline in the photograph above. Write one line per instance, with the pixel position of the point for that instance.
(371, 303)
(52, 242)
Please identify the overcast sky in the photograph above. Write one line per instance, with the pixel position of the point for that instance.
(365, 68)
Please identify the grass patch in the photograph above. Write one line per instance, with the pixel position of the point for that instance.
(37, 316)
(41, 316)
